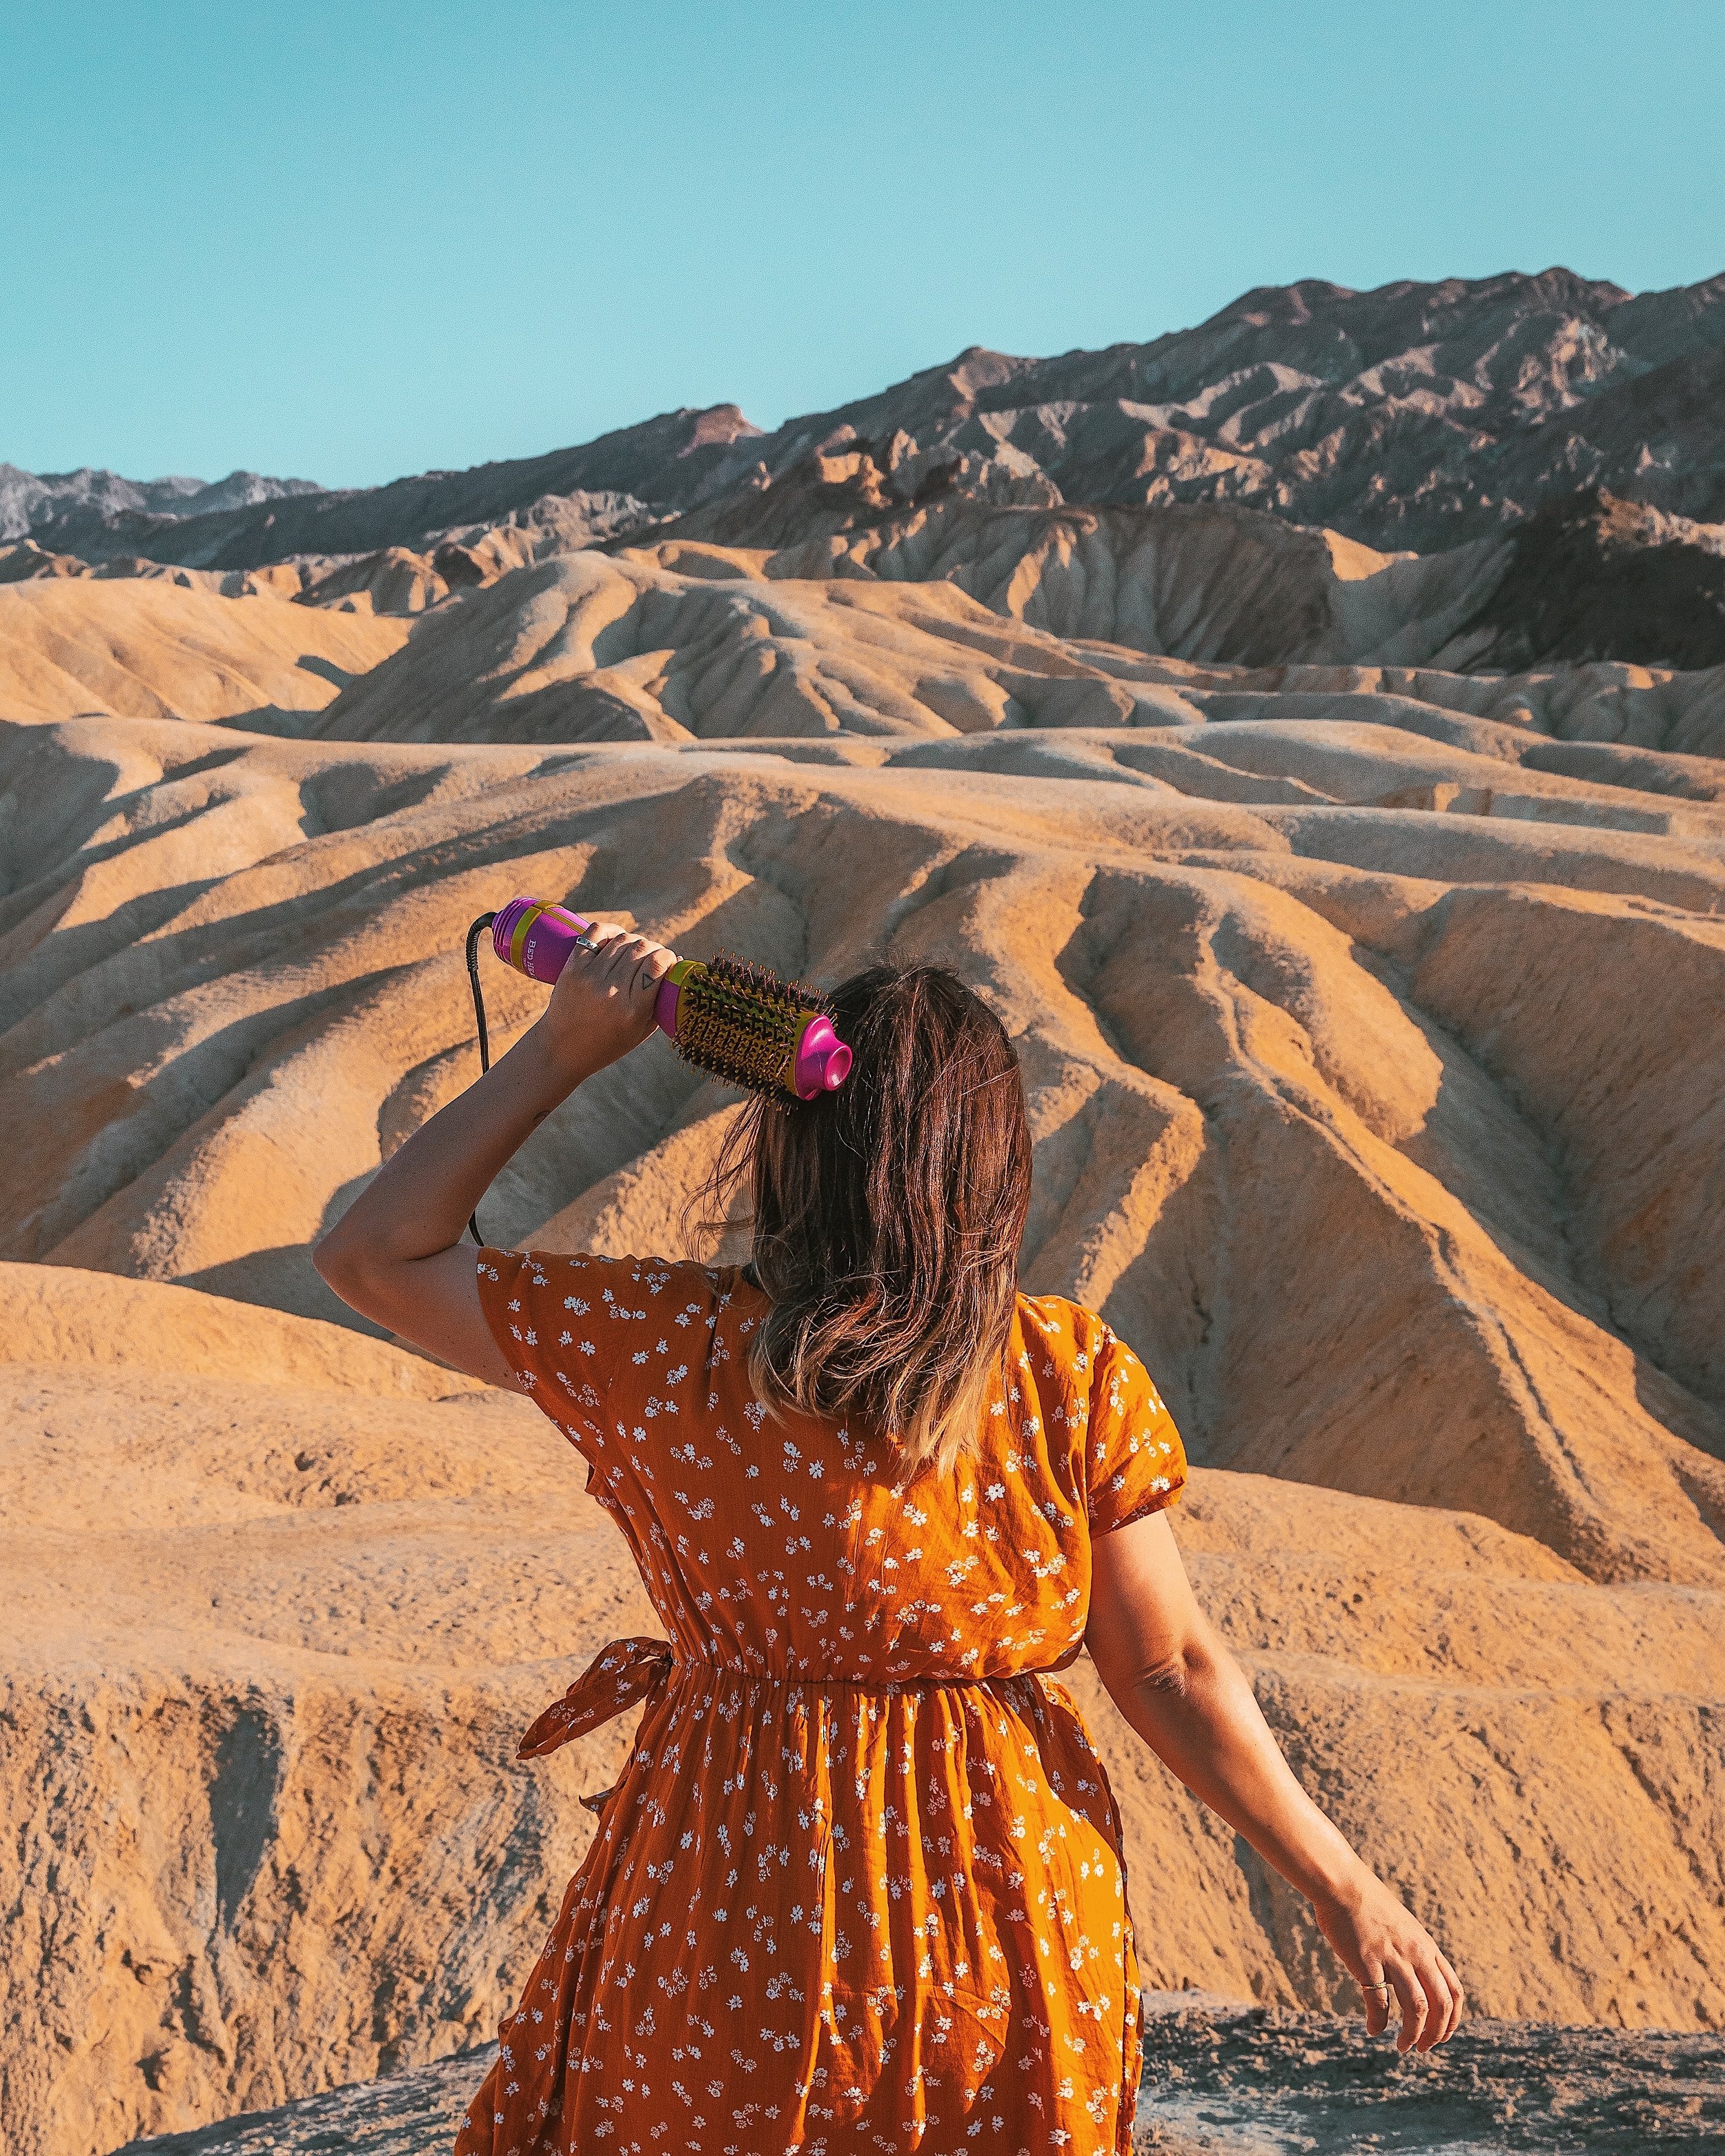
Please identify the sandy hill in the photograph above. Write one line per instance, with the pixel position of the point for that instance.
(1369, 1012)
(142, 649)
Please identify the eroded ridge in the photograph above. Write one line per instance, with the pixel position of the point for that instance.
(1369, 1014)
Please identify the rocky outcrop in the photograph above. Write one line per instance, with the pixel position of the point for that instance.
(1219, 2077)
(1595, 578)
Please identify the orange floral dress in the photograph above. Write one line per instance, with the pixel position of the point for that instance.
(860, 1888)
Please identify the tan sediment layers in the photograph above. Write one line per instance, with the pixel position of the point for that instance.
(1369, 1018)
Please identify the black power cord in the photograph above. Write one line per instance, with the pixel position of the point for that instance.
(473, 934)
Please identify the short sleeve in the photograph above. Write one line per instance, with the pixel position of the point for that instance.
(577, 1332)
(1135, 1462)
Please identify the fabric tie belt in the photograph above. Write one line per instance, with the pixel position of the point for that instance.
(617, 1676)
(631, 1670)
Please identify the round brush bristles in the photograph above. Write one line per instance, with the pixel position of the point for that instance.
(740, 1022)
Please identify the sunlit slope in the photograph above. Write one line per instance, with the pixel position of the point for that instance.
(1369, 1016)
(147, 649)
(1344, 1149)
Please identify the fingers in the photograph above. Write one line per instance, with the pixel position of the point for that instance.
(1443, 1997)
(648, 961)
(1457, 1998)
(638, 962)
(1431, 1982)
(1428, 1995)
(1411, 1999)
(1402, 1972)
(604, 1003)
(620, 955)
(623, 959)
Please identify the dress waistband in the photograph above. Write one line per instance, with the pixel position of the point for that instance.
(631, 1670)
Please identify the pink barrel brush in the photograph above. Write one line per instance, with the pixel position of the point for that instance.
(738, 1020)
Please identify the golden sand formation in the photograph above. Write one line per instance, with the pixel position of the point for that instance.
(1370, 1015)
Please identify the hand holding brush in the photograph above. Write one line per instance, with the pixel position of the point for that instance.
(735, 1019)
(738, 1020)
(604, 997)
(396, 1255)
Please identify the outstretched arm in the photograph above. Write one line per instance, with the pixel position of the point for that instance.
(1169, 1674)
(396, 1254)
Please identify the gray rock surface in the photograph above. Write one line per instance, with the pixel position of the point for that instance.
(1219, 2081)
(76, 510)
(410, 2114)
(1269, 2084)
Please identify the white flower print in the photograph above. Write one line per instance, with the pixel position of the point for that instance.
(857, 1698)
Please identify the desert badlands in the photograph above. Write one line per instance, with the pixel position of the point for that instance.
(1362, 934)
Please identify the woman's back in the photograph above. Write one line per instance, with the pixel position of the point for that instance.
(859, 1887)
(778, 1544)
(863, 1849)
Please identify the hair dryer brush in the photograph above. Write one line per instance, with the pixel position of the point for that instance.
(738, 1020)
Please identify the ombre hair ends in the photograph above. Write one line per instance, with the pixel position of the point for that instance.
(887, 1217)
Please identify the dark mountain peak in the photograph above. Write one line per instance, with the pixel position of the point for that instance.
(1416, 415)
(716, 422)
(1268, 306)
(1561, 287)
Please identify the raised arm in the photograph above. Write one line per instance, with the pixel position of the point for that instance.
(396, 1254)
(1169, 1672)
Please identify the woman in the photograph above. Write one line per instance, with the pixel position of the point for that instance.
(860, 1886)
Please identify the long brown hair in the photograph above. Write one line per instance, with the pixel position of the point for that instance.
(887, 1217)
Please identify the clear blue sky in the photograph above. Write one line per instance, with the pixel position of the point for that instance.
(347, 241)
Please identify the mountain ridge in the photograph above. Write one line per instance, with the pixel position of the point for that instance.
(1413, 416)
(66, 506)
